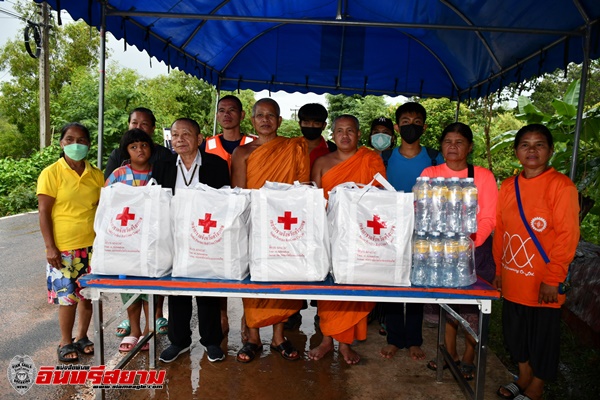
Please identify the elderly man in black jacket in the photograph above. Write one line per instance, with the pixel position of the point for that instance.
(191, 166)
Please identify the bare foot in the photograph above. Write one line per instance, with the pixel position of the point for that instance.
(416, 353)
(350, 356)
(321, 350)
(244, 330)
(388, 351)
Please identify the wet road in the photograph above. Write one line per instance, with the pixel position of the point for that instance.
(29, 326)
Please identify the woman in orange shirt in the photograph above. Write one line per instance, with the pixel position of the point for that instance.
(457, 143)
(529, 284)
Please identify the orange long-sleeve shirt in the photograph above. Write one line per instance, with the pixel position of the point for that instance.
(551, 208)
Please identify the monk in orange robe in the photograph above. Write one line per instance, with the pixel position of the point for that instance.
(344, 321)
(276, 159)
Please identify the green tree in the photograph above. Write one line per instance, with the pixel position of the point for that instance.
(365, 108)
(72, 46)
(289, 128)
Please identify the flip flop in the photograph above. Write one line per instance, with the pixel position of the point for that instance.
(82, 343)
(67, 349)
(432, 365)
(512, 388)
(128, 343)
(468, 371)
(286, 349)
(124, 325)
(250, 350)
(162, 326)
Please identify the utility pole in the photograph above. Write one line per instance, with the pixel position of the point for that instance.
(44, 76)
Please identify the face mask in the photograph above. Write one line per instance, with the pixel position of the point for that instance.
(411, 133)
(381, 141)
(311, 133)
(76, 151)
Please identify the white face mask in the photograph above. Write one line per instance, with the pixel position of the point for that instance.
(381, 141)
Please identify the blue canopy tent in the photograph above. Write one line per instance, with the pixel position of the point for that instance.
(457, 49)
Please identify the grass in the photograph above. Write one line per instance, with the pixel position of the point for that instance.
(578, 370)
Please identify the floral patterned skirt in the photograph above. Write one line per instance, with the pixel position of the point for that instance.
(63, 287)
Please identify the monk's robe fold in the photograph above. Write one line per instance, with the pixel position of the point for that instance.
(279, 160)
(346, 321)
(360, 168)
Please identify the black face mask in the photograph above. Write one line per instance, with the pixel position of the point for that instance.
(311, 133)
(411, 133)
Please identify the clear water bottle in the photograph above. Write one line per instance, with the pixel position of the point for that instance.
(469, 199)
(422, 192)
(450, 262)
(418, 275)
(454, 206)
(466, 264)
(438, 200)
(436, 258)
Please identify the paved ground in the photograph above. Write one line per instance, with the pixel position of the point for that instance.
(29, 326)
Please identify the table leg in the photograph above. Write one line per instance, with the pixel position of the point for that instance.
(152, 332)
(441, 339)
(98, 339)
(484, 325)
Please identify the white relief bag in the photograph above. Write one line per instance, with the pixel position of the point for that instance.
(133, 231)
(371, 233)
(210, 232)
(289, 239)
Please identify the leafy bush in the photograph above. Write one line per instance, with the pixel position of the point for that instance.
(18, 179)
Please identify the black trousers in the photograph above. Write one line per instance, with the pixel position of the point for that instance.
(401, 333)
(209, 320)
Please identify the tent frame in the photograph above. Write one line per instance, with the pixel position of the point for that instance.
(583, 31)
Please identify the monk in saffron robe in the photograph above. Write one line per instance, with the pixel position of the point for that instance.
(276, 159)
(344, 321)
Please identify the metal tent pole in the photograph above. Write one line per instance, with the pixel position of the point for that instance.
(101, 78)
(580, 104)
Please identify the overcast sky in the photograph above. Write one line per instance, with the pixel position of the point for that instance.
(139, 61)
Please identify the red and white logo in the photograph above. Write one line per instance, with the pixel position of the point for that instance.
(376, 231)
(287, 228)
(125, 224)
(100, 377)
(538, 224)
(376, 224)
(207, 230)
(125, 216)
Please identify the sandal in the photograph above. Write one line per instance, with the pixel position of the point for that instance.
(81, 345)
(126, 328)
(432, 364)
(146, 345)
(286, 349)
(512, 388)
(468, 371)
(128, 343)
(162, 326)
(250, 350)
(67, 349)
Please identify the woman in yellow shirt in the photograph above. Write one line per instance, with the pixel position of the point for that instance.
(68, 193)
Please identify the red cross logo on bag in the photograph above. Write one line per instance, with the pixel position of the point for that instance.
(125, 217)
(376, 224)
(287, 220)
(207, 223)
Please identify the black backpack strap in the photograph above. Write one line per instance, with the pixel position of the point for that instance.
(470, 171)
(433, 154)
(385, 155)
